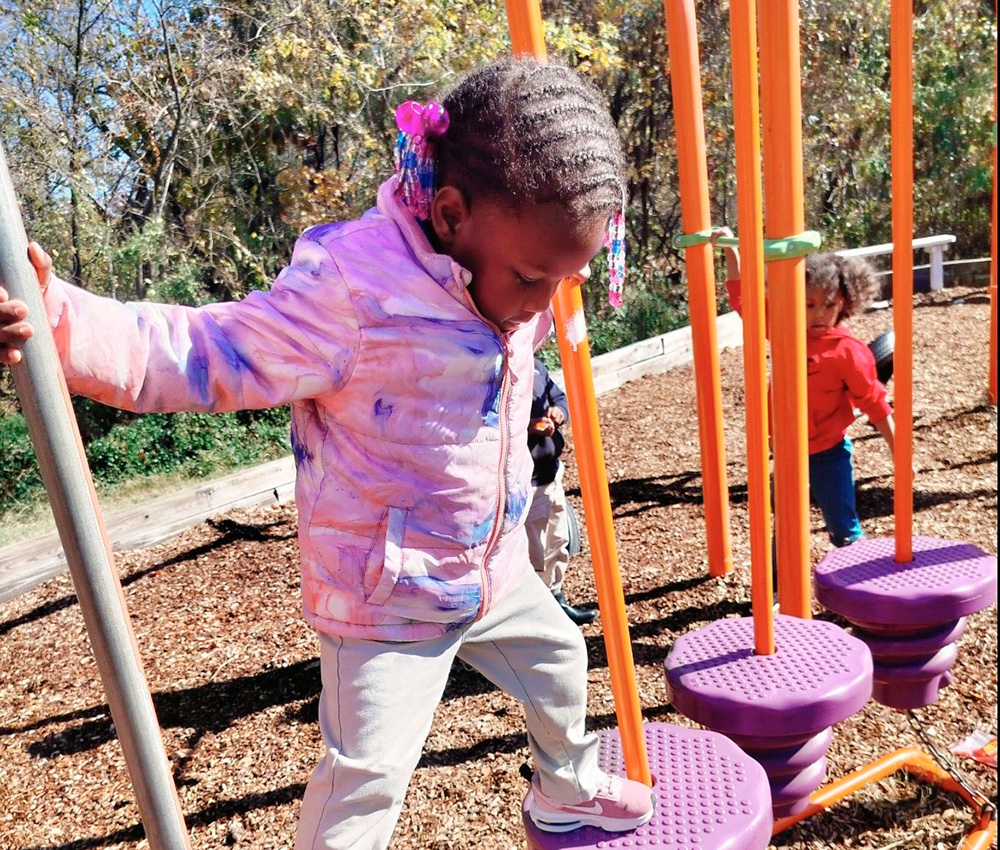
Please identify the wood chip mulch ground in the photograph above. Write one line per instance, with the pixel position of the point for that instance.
(234, 673)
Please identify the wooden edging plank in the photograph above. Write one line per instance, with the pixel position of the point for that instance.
(24, 565)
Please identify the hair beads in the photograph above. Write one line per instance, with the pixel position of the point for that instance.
(415, 166)
(614, 241)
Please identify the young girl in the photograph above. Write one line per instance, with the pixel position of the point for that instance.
(841, 377)
(404, 343)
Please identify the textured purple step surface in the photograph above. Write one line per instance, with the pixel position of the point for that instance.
(817, 676)
(710, 796)
(909, 614)
(778, 708)
(946, 580)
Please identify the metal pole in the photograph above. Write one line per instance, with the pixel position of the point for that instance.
(524, 19)
(696, 215)
(41, 389)
(901, 90)
(781, 112)
(746, 121)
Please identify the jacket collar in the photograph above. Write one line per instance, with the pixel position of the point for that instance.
(448, 273)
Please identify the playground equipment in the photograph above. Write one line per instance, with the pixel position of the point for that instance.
(779, 707)
(883, 348)
(710, 794)
(776, 688)
(731, 676)
(909, 615)
(908, 609)
(41, 389)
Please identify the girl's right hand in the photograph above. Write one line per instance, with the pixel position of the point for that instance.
(14, 325)
(732, 255)
(718, 233)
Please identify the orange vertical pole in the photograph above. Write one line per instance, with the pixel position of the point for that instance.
(901, 88)
(525, 22)
(784, 217)
(692, 173)
(993, 250)
(746, 116)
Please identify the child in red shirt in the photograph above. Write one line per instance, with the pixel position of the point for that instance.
(841, 378)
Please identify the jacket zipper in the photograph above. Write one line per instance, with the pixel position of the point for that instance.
(505, 385)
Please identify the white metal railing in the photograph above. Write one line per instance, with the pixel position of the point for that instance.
(933, 245)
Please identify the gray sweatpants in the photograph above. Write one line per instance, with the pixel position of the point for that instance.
(379, 698)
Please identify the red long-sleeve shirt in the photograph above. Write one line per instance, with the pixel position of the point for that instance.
(840, 376)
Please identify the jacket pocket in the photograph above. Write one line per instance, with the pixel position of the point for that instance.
(385, 560)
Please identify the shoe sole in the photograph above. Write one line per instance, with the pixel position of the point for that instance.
(555, 822)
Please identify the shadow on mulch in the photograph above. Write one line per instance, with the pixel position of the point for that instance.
(231, 533)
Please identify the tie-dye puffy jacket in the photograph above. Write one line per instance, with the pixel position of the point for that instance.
(409, 413)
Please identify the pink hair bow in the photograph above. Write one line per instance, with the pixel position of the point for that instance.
(416, 174)
(429, 121)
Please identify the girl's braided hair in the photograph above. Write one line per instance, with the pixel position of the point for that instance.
(530, 134)
(852, 277)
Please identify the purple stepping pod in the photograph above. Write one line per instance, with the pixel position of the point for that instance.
(778, 708)
(710, 795)
(909, 614)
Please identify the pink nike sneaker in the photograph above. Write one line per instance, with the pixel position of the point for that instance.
(620, 805)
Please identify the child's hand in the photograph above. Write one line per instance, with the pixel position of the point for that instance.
(542, 426)
(718, 233)
(14, 325)
(556, 415)
(732, 254)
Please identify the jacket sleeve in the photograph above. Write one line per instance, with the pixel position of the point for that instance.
(864, 389)
(734, 290)
(298, 340)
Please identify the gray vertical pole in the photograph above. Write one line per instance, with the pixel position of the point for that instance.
(41, 389)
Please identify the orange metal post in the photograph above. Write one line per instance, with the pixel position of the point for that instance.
(983, 835)
(901, 48)
(782, 119)
(525, 21)
(743, 37)
(575, 356)
(692, 174)
(993, 252)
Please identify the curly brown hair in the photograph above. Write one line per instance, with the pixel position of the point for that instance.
(853, 278)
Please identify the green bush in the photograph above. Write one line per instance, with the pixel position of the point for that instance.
(20, 477)
(187, 444)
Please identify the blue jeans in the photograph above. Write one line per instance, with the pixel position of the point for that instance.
(831, 482)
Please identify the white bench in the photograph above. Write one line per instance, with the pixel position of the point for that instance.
(933, 245)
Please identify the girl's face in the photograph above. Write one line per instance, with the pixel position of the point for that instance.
(823, 311)
(517, 257)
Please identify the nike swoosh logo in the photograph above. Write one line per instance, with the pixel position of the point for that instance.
(592, 808)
